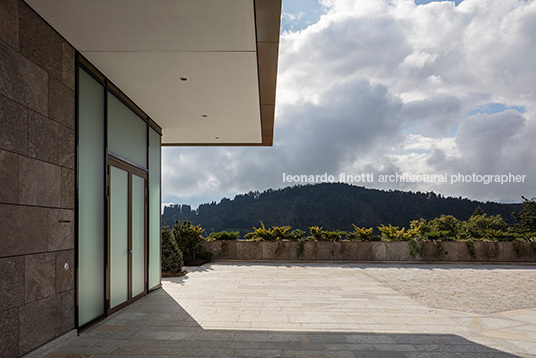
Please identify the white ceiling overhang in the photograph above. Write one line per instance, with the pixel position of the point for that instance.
(226, 49)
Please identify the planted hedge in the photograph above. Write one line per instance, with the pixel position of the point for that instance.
(481, 238)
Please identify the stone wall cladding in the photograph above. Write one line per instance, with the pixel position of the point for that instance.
(37, 161)
(363, 251)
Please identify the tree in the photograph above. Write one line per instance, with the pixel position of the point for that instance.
(419, 228)
(189, 239)
(481, 226)
(526, 218)
(171, 254)
(445, 226)
(479, 211)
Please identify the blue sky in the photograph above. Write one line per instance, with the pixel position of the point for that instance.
(299, 14)
(383, 87)
(492, 108)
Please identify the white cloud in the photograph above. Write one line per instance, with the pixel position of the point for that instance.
(419, 60)
(384, 86)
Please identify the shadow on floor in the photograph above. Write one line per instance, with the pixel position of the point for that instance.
(157, 326)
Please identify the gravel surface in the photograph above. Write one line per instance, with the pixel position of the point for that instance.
(478, 289)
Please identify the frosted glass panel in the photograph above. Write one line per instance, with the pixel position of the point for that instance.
(127, 133)
(118, 236)
(138, 235)
(91, 203)
(154, 208)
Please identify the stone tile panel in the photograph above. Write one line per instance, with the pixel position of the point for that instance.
(9, 177)
(9, 332)
(40, 183)
(13, 126)
(23, 81)
(68, 65)
(23, 230)
(397, 251)
(378, 251)
(64, 270)
(364, 251)
(11, 282)
(61, 103)
(60, 229)
(39, 276)
(9, 22)
(66, 150)
(309, 251)
(67, 188)
(348, 251)
(42, 138)
(67, 311)
(39, 322)
(323, 250)
(39, 42)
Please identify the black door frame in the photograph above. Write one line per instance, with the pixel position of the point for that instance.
(131, 170)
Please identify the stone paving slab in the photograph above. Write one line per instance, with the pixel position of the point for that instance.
(317, 310)
(470, 288)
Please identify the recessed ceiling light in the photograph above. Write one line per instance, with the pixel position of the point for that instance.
(183, 79)
(217, 137)
(204, 115)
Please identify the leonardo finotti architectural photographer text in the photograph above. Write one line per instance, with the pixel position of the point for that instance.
(405, 178)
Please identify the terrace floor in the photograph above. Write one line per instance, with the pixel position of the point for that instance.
(325, 310)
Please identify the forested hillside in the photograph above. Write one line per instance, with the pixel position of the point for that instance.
(331, 206)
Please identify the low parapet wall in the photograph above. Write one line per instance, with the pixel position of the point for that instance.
(363, 251)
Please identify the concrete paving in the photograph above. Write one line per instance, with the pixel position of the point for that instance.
(303, 310)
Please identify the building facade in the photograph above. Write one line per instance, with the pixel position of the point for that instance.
(86, 102)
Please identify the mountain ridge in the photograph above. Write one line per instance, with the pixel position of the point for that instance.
(329, 205)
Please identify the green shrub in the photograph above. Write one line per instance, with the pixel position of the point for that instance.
(172, 260)
(223, 235)
(481, 226)
(189, 239)
(272, 234)
(316, 232)
(281, 232)
(297, 234)
(394, 233)
(259, 234)
(419, 228)
(360, 233)
(336, 235)
(445, 227)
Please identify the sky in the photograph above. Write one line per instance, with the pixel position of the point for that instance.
(434, 89)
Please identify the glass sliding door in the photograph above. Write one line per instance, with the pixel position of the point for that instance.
(138, 235)
(127, 239)
(119, 236)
